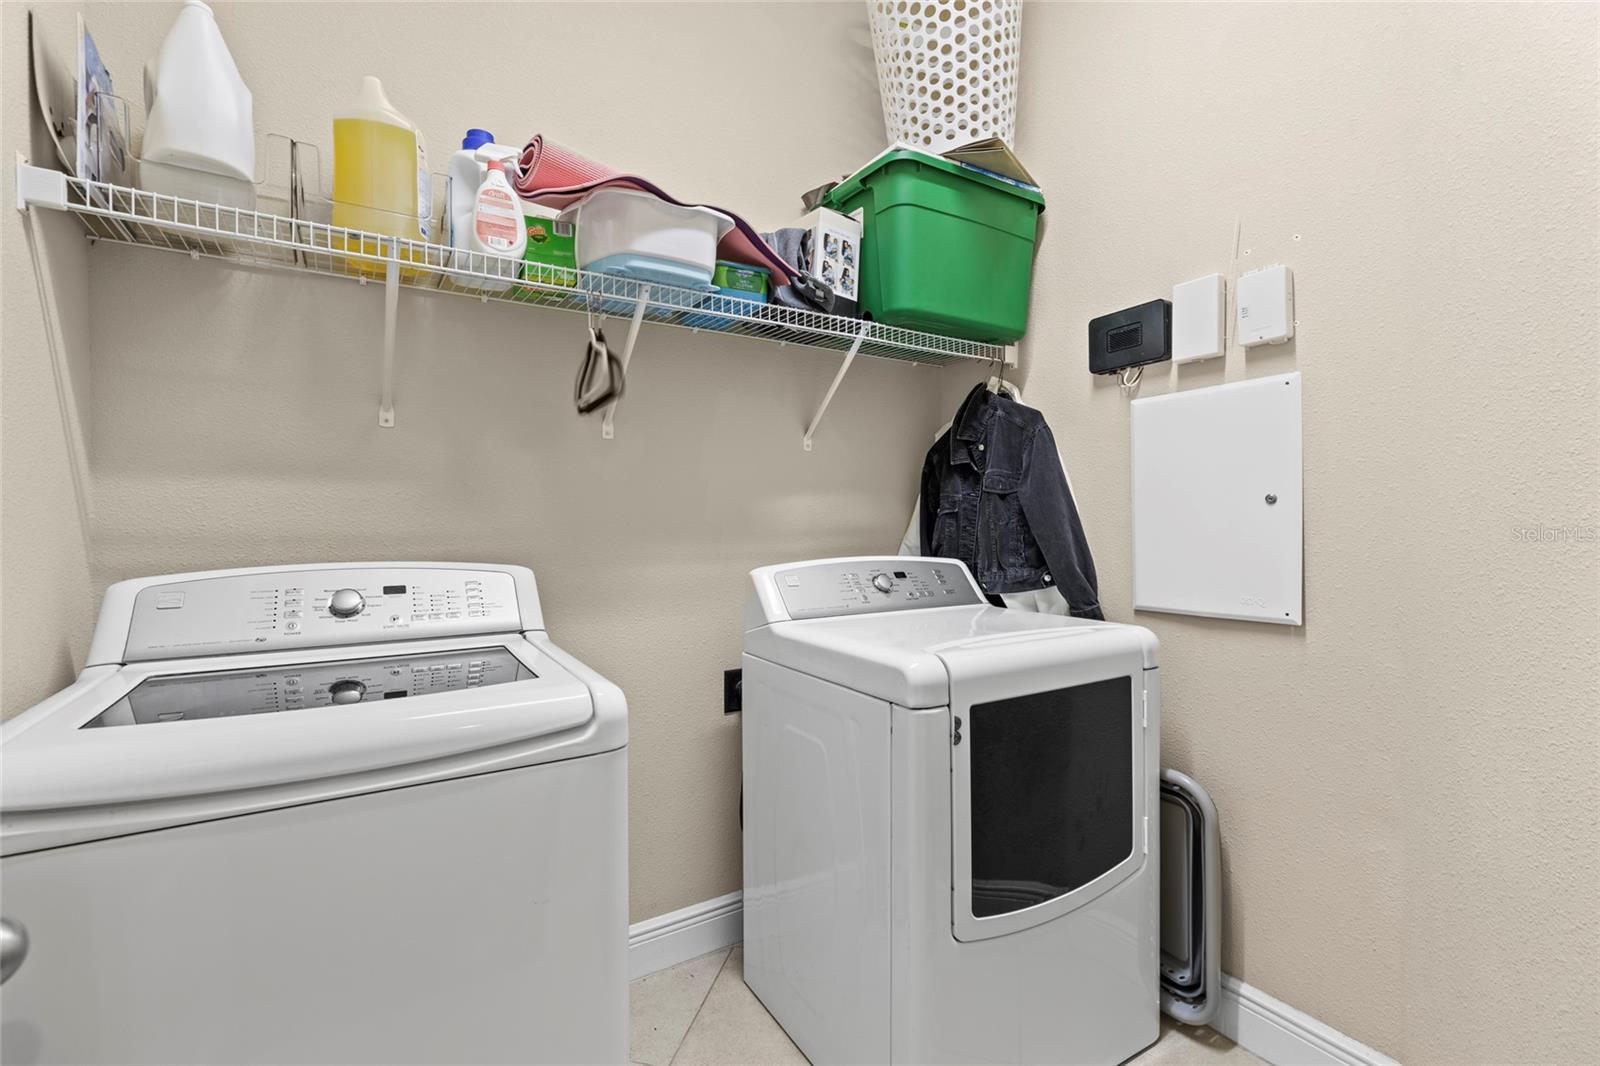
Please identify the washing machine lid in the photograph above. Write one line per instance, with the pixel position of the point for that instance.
(161, 743)
(905, 657)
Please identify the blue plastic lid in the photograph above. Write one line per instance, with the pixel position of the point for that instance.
(654, 269)
(476, 139)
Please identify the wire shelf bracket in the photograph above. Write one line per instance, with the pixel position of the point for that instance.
(391, 308)
(38, 187)
(260, 240)
(827, 397)
(607, 430)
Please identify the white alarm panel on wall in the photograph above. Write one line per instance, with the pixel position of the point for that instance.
(1216, 501)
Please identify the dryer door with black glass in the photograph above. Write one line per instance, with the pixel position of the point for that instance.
(1047, 778)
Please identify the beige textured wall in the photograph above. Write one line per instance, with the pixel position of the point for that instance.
(234, 413)
(46, 601)
(1407, 784)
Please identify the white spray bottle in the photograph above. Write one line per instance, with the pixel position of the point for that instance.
(497, 232)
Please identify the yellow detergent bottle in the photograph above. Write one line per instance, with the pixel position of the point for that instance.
(380, 177)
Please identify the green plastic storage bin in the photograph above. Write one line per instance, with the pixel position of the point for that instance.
(944, 248)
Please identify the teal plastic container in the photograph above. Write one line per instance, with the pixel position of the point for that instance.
(943, 248)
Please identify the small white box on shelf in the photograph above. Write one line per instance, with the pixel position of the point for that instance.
(1266, 306)
(835, 254)
(1198, 308)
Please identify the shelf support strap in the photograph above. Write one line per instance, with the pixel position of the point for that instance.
(827, 397)
(391, 305)
(606, 429)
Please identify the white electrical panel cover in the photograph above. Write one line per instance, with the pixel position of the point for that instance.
(1216, 501)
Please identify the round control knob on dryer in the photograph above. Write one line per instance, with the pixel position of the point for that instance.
(347, 691)
(346, 603)
(882, 582)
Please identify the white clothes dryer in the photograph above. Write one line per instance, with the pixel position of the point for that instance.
(356, 813)
(949, 812)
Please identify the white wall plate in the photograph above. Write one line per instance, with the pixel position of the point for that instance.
(1198, 308)
(1217, 501)
(1266, 306)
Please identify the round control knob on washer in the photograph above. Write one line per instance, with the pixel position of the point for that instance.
(346, 603)
(882, 582)
(347, 691)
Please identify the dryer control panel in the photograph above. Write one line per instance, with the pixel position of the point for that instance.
(872, 585)
(277, 608)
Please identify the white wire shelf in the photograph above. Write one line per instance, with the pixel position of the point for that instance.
(259, 239)
(253, 238)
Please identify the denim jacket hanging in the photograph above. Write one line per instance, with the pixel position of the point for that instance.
(994, 496)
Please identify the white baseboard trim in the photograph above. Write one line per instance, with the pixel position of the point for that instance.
(1270, 1029)
(1266, 1027)
(696, 930)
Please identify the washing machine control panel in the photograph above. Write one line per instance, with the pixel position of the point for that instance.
(230, 693)
(271, 610)
(869, 586)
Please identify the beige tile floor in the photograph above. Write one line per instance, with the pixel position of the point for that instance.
(699, 1013)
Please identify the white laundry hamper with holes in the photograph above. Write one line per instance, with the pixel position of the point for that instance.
(947, 69)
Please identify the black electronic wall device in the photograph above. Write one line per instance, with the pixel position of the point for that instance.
(1131, 337)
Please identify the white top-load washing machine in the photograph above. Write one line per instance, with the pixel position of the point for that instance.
(334, 814)
(948, 820)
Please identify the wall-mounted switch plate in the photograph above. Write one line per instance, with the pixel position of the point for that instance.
(732, 691)
(1266, 306)
(1198, 308)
